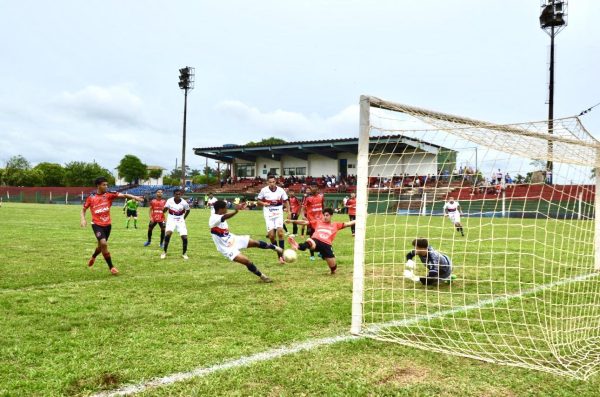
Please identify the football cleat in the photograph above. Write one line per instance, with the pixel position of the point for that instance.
(114, 271)
(293, 243)
(281, 260)
(265, 279)
(163, 255)
(91, 261)
(147, 243)
(185, 257)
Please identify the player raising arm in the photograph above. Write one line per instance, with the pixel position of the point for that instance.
(229, 244)
(324, 232)
(99, 204)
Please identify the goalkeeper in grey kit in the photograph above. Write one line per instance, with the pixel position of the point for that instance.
(439, 266)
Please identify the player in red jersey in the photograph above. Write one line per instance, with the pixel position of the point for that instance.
(312, 210)
(324, 232)
(295, 207)
(99, 204)
(351, 205)
(157, 217)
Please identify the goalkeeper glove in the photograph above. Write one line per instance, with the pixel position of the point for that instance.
(410, 264)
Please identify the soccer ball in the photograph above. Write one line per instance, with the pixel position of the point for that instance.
(289, 255)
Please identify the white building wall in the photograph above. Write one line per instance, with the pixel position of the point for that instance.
(352, 160)
(294, 162)
(411, 164)
(264, 164)
(321, 165)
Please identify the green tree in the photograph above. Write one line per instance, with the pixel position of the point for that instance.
(53, 174)
(267, 141)
(15, 171)
(154, 173)
(132, 169)
(79, 173)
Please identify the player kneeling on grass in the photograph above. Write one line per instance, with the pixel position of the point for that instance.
(439, 266)
(230, 244)
(322, 237)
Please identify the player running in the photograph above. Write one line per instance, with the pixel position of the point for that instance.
(99, 204)
(453, 211)
(324, 232)
(351, 206)
(273, 198)
(312, 210)
(157, 217)
(131, 206)
(178, 210)
(229, 245)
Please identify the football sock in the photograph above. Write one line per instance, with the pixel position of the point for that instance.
(162, 235)
(252, 268)
(263, 245)
(96, 253)
(167, 239)
(149, 234)
(282, 244)
(285, 228)
(127, 223)
(303, 247)
(108, 259)
(184, 240)
(135, 223)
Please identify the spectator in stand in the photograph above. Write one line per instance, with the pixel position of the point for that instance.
(499, 177)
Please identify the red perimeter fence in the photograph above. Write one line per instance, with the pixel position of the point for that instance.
(45, 195)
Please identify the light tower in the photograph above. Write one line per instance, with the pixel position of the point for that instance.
(186, 82)
(553, 19)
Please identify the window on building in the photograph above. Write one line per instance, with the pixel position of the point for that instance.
(245, 170)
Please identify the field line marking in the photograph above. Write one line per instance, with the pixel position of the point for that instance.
(311, 344)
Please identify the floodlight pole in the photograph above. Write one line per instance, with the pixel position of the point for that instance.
(552, 20)
(184, 136)
(186, 82)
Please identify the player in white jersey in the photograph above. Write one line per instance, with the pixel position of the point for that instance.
(178, 209)
(229, 244)
(211, 202)
(453, 211)
(273, 199)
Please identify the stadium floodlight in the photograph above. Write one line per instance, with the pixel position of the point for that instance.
(186, 82)
(527, 286)
(553, 19)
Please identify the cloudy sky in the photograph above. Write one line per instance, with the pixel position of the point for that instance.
(97, 79)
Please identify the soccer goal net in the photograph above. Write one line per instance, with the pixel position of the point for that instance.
(501, 222)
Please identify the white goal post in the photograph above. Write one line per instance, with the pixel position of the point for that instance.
(510, 269)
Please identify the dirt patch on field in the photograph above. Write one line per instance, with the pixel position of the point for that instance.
(404, 375)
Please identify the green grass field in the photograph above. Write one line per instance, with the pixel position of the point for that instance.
(67, 330)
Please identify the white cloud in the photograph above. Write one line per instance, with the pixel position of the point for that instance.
(114, 105)
(291, 125)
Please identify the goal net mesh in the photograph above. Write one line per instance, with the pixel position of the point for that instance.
(524, 288)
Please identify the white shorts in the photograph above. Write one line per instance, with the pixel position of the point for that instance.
(177, 225)
(230, 245)
(454, 217)
(274, 220)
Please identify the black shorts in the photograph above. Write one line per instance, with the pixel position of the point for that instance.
(131, 213)
(324, 249)
(101, 232)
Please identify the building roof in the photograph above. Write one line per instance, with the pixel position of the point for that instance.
(301, 149)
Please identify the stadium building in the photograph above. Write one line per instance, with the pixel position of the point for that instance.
(334, 157)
